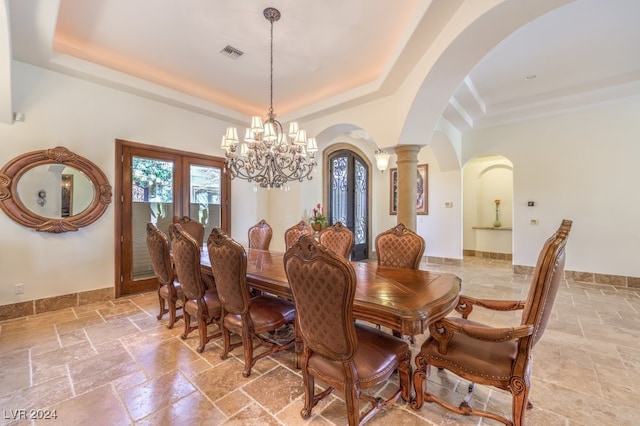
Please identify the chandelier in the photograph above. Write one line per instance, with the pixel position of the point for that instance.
(268, 156)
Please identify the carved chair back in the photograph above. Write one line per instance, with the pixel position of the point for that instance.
(186, 260)
(291, 235)
(338, 238)
(260, 235)
(194, 228)
(400, 247)
(158, 246)
(323, 285)
(546, 280)
(229, 265)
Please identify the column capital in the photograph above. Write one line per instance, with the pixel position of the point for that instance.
(407, 153)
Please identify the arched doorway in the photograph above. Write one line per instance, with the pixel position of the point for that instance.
(348, 195)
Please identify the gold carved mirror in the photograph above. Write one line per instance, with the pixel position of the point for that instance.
(53, 190)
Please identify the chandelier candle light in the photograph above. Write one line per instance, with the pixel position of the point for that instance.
(269, 157)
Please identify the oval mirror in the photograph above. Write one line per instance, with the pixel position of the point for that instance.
(53, 190)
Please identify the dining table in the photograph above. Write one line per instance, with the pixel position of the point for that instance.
(405, 300)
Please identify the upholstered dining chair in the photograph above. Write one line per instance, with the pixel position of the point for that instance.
(250, 318)
(260, 235)
(337, 238)
(169, 288)
(291, 234)
(199, 301)
(192, 227)
(399, 247)
(495, 356)
(339, 352)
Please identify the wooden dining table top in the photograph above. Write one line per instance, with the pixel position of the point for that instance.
(402, 299)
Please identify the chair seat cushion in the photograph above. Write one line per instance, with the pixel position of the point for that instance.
(164, 290)
(267, 313)
(492, 360)
(375, 360)
(210, 299)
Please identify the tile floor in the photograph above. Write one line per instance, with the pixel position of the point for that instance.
(113, 363)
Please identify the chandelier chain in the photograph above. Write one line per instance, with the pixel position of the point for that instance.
(271, 116)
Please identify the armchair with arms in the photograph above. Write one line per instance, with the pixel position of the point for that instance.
(497, 357)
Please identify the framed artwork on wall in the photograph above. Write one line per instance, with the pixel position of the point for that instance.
(422, 180)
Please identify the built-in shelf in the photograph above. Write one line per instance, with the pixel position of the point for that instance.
(491, 228)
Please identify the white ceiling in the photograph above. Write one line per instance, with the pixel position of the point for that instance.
(327, 52)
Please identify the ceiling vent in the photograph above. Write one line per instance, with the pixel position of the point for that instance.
(231, 52)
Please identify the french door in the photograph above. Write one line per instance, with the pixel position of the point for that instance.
(349, 197)
(157, 185)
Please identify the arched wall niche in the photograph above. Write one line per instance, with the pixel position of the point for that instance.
(486, 179)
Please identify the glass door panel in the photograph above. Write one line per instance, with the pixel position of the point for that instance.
(338, 203)
(360, 203)
(152, 199)
(205, 201)
(161, 185)
(349, 197)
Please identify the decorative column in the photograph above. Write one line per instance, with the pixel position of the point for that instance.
(407, 163)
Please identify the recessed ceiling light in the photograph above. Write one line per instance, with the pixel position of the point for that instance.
(530, 77)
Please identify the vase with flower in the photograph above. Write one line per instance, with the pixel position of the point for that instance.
(318, 220)
(497, 223)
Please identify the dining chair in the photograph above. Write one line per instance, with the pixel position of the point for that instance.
(194, 228)
(494, 356)
(250, 318)
(169, 288)
(339, 352)
(400, 247)
(199, 301)
(291, 234)
(337, 238)
(260, 235)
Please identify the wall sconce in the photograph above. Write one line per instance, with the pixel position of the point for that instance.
(42, 197)
(382, 159)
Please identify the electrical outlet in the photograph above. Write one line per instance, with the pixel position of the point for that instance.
(20, 288)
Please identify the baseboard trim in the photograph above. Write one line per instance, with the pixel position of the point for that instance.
(618, 281)
(54, 303)
(488, 254)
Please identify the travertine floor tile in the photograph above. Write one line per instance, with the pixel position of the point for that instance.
(194, 409)
(146, 398)
(99, 406)
(112, 362)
